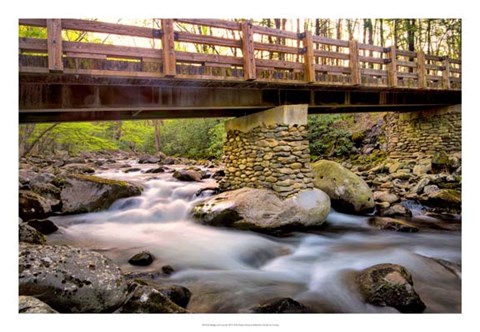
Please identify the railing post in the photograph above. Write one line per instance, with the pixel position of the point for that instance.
(446, 73)
(168, 49)
(392, 66)
(421, 71)
(249, 67)
(309, 59)
(354, 62)
(54, 42)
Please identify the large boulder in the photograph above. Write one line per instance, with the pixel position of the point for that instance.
(147, 299)
(29, 234)
(33, 206)
(444, 198)
(390, 285)
(263, 210)
(82, 193)
(70, 279)
(349, 193)
(187, 175)
(44, 226)
(32, 305)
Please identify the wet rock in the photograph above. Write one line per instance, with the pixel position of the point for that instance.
(143, 258)
(26, 175)
(32, 305)
(392, 224)
(146, 299)
(44, 226)
(70, 279)
(263, 210)
(78, 169)
(390, 285)
(167, 270)
(420, 170)
(155, 170)
(445, 198)
(177, 294)
(384, 196)
(33, 206)
(29, 234)
(280, 306)
(82, 193)
(396, 210)
(419, 186)
(430, 189)
(218, 174)
(170, 161)
(187, 175)
(148, 159)
(133, 169)
(348, 192)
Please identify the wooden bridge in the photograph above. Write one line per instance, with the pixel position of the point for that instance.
(236, 69)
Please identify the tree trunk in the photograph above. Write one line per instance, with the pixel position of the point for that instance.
(31, 146)
(382, 38)
(157, 124)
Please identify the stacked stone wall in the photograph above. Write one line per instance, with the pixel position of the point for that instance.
(275, 157)
(426, 132)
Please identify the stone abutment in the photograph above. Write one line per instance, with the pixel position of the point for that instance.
(268, 150)
(426, 132)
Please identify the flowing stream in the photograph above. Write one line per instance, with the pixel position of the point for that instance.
(230, 271)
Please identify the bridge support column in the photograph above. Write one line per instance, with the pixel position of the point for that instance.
(268, 150)
(427, 132)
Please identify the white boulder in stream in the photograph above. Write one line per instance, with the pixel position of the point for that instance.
(70, 279)
(263, 210)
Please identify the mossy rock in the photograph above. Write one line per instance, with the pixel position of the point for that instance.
(348, 192)
(86, 193)
(390, 285)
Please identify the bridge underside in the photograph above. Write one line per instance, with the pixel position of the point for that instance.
(47, 97)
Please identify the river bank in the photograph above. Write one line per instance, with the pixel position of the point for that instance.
(227, 270)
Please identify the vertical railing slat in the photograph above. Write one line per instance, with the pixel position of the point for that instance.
(354, 62)
(446, 74)
(249, 66)
(392, 67)
(54, 42)
(309, 59)
(168, 48)
(421, 72)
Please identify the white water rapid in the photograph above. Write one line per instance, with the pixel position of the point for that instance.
(229, 270)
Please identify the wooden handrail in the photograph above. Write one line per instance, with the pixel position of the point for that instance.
(284, 58)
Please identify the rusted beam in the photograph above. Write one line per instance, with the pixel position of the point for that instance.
(168, 49)
(249, 66)
(54, 44)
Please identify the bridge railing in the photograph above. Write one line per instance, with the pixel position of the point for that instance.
(231, 51)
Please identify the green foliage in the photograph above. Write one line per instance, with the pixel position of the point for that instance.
(77, 137)
(328, 137)
(32, 32)
(193, 138)
(135, 135)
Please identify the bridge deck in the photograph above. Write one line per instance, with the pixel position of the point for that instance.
(237, 69)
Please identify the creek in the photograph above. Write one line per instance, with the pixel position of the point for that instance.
(229, 271)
